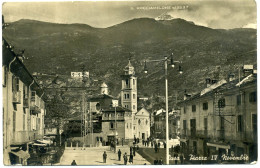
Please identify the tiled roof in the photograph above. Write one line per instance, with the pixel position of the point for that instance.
(226, 86)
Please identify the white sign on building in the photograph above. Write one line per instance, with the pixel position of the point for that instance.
(79, 74)
(114, 103)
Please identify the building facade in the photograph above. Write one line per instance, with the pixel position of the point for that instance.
(23, 108)
(142, 124)
(221, 120)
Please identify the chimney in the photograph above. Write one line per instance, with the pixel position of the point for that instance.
(231, 77)
(248, 69)
(208, 82)
(186, 95)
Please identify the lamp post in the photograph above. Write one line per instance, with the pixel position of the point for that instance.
(115, 104)
(165, 60)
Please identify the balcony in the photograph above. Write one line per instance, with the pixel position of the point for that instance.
(21, 137)
(17, 97)
(202, 133)
(184, 133)
(34, 108)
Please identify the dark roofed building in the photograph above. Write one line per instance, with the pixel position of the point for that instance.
(221, 119)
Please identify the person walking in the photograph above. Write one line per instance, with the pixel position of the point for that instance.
(104, 157)
(73, 163)
(131, 149)
(155, 162)
(131, 158)
(125, 159)
(176, 156)
(160, 162)
(119, 154)
(155, 148)
(181, 158)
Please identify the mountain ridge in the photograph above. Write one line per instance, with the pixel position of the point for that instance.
(63, 48)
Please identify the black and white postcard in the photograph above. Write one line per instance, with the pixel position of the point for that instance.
(129, 82)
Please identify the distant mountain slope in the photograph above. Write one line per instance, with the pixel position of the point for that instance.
(62, 48)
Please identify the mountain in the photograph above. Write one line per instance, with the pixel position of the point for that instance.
(62, 48)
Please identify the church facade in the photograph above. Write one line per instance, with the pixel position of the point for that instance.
(141, 118)
(125, 121)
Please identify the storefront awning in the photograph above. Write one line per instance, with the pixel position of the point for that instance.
(22, 154)
(44, 141)
(38, 144)
(218, 145)
(113, 133)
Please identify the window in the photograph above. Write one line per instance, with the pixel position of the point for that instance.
(128, 96)
(193, 127)
(14, 121)
(146, 121)
(133, 96)
(111, 126)
(193, 108)
(206, 126)
(195, 147)
(127, 125)
(184, 126)
(221, 103)
(133, 106)
(134, 127)
(125, 96)
(254, 125)
(222, 124)
(252, 97)
(139, 122)
(133, 81)
(25, 92)
(239, 123)
(238, 100)
(205, 106)
(15, 84)
(126, 82)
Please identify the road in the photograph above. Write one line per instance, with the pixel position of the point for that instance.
(94, 156)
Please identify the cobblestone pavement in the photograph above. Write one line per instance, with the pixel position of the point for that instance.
(94, 156)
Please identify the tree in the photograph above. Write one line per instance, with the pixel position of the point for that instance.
(57, 112)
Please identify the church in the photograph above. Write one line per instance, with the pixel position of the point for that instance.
(123, 122)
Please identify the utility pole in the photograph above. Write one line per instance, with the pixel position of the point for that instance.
(165, 60)
(83, 75)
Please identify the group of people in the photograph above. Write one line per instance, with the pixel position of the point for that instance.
(158, 162)
(131, 156)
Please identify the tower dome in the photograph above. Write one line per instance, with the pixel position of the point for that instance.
(129, 69)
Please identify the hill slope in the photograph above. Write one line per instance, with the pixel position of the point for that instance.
(62, 48)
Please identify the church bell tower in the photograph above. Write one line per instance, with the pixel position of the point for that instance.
(129, 88)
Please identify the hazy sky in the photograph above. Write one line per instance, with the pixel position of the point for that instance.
(212, 13)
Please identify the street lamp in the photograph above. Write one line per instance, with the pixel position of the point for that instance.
(115, 104)
(165, 60)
